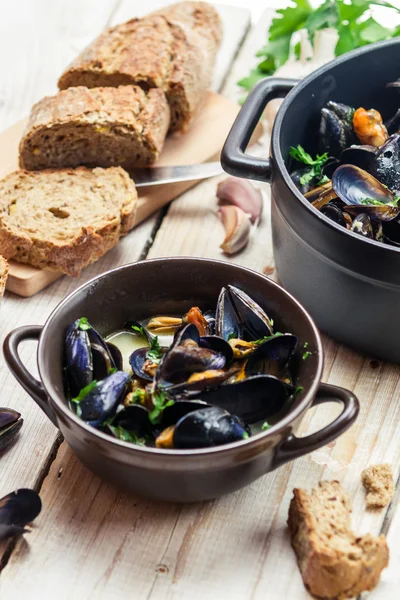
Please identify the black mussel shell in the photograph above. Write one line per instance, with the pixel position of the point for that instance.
(272, 356)
(323, 193)
(387, 163)
(218, 344)
(17, 510)
(135, 419)
(253, 399)
(240, 316)
(10, 424)
(103, 400)
(191, 389)
(362, 156)
(137, 360)
(334, 213)
(393, 125)
(116, 355)
(329, 167)
(78, 358)
(391, 233)
(356, 187)
(362, 225)
(336, 129)
(102, 362)
(207, 427)
(179, 409)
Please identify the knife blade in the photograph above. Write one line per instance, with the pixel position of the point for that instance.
(162, 175)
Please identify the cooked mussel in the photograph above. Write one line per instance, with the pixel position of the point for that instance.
(253, 399)
(369, 128)
(186, 356)
(210, 426)
(102, 401)
(143, 366)
(363, 156)
(10, 424)
(334, 213)
(134, 419)
(336, 130)
(273, 356)
(17, 510)
(239, 316)
(362, 225)
(361, 192)
(87, 356)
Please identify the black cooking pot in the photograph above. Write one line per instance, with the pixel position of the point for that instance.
(350, 285)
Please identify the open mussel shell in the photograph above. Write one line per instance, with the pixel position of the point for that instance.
(206, 381)
(17, 510)
(240, 316)
(10, 424)
(137, 360)
(272, 356)
(356, 188)
(217, 344)
(322, 193)
(116, 355)
(186, 356)
(362, 225)
(103, 400)
(78, 358)
(297, 174)
(329, 167)
(206, 427)
(362, 156)
(391, 232)
(387, 164)
(253, 399)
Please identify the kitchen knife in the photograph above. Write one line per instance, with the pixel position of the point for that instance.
(162, 175)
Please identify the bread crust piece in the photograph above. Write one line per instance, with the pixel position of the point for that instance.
(3, 275)
(100, 127)
(64, 219)
(333, 561)
(379, 485)
(173, 49)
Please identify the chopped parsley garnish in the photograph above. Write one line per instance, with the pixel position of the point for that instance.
(245, 435)
(372, 202)
(84, 392)
(160, 402)
(138, 329)
(127, 436)
(155, 353)
(298, 390)
(139, 396)
(232, 335)
(305, 345)
(84, 324)
(267, 337)
(265, 426)
(306, 355)
(315, 164)
(112, 370)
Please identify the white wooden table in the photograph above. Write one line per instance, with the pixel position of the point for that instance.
(93, 542)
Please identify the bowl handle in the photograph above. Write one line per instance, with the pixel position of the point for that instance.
(233, 158)
(20, 372)
(293, 447)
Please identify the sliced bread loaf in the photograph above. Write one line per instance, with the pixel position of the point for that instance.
(3, 275)
(334, 562)
(65, 219)
(173, 49)
(100, 127)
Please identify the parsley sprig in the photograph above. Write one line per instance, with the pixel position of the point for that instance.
(353, 21)
(84, 392)
(155, 353)
(315, 164)
(160, 402)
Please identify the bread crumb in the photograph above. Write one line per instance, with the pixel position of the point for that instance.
(379, 485)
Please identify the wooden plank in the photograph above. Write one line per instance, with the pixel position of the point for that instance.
(94, 508)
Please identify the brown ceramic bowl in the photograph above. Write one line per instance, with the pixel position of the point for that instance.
(173, 285)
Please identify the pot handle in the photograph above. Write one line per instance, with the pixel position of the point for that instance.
(293, 447)
(20, 372)
(233, 158)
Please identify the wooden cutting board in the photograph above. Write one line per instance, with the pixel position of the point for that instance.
(202, 142)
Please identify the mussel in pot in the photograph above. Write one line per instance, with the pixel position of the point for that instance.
(336, 131)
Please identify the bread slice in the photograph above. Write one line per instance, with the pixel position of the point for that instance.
(173, 49)
(379, 485)
(64, 219)
(100, 127)
(334, 562)
(3, 275)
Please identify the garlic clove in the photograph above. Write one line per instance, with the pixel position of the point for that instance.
(242, 194)
(237, 226)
